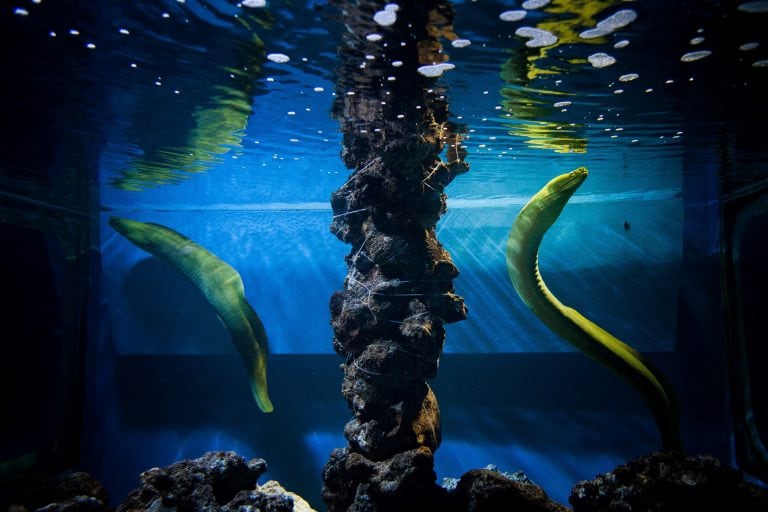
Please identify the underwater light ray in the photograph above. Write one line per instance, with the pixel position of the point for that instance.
(44, 204)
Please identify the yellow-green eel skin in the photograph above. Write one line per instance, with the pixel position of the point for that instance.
(525, 237)
(222, 287)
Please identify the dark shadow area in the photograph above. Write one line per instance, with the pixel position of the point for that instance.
(745, 280)
(28, 354)
(753, 253)
(49, 152)
(552, 386)
(166, 306)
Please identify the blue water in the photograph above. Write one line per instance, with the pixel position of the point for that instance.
(186, 126)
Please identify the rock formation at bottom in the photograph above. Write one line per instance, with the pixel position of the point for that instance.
(215, 482)
(68, 491)
(226, 482)
(488, 490)
(668, 481)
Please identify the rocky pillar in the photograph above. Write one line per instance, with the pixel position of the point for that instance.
(388, 320)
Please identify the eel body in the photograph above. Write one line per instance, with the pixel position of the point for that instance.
(222, 287)
(525, 237)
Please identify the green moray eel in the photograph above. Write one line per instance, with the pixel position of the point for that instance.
(527, 232)
(221, 285)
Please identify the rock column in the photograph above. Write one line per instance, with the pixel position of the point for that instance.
(388, 319)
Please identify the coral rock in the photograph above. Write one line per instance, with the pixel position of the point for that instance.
(388, 321)
(70, 492)
(217, 481)
(402, 483)
(483, 490)
(668, 481)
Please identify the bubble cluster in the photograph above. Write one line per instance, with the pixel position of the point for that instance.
(610, 24)
(388, 16)
(535, 4)
(537, 37)
(513, 15)
(754, 7)
(601, 60)
(435, 70)
(279, 58)
(694, 56)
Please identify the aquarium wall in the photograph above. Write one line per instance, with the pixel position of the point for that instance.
(222, 121)
(50, 251)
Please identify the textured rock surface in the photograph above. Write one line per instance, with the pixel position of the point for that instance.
(404, 482)
(388, 320)
(483, 490)
(273, 488)
(664, 481)
(71, 492)
(217, 481)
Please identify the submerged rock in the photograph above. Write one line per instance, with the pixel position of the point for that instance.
(217, 481)
(66, 492)
(667, 481)
(388, 320)
(488, 490)
(401, 483)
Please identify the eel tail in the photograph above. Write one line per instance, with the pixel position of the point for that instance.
(221, 285)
